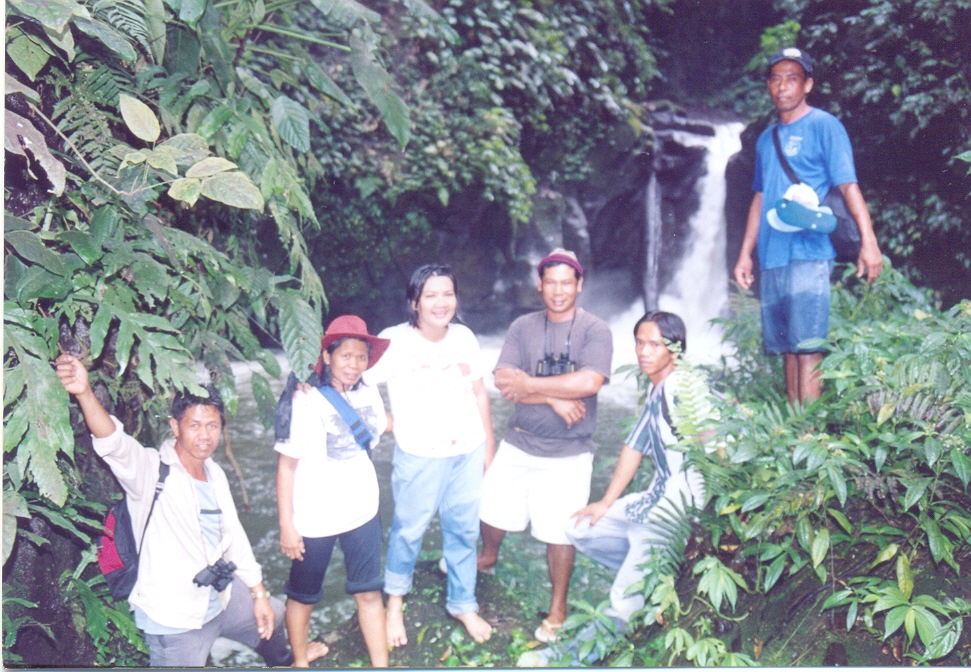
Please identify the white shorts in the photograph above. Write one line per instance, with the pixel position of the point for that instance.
(520, 489)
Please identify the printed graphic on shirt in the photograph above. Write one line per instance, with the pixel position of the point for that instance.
(792, 145)
(342, 446)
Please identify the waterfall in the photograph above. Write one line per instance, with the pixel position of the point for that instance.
(698, 292)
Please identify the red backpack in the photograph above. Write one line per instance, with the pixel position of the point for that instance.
(117, 551)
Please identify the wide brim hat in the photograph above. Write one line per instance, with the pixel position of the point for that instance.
(790, 216)
(351, 326)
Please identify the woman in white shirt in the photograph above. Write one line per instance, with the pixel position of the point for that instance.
(327, 490)
(443, 430)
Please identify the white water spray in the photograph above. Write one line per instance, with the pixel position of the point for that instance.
(698, 292)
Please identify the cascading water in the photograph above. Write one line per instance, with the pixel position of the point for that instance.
(698, 292)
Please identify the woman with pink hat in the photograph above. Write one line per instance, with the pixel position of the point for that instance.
(327, 489)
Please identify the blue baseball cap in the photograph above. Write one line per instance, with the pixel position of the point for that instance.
(793, 54)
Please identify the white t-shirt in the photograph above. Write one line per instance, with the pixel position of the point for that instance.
(430, 388)
(335, 488)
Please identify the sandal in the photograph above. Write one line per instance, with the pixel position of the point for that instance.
(547, 632)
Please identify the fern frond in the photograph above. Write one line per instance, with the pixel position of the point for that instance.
(127, 17)
(83, 112)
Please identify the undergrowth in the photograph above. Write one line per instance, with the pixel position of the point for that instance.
(847, 497)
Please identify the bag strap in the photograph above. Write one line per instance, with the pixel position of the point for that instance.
(790, 173)
(163, 472)
(350, 416)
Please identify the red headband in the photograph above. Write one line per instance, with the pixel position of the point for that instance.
(558, 258)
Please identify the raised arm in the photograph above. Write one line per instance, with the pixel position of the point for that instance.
(74, 378)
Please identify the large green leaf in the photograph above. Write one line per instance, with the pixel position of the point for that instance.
(39, 283)
(323, 83)
(32, 248)
(182, 51)
(915, 491)
(155, 22)
(20, 136)
(820, 546)
(139, 118)
(157, 345)
(28, 52)
(265, 401)
(300, 332)
(83, 244)
(45, 411)
(233, 189)
(218, 53)
(52, 14)
(185, 189)
(189, 148)
(12, 86)
(945, 639)
(210, 166)
(378, 85)
(14, 506)
(108, 36)
(292, 122)
(191, 10)
(213, 121)
(346, 13)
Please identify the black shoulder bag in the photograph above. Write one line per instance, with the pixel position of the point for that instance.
(846, 236)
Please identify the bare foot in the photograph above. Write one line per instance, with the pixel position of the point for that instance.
(316, 650)
(485, 565)
(396, 621)
(477, 627)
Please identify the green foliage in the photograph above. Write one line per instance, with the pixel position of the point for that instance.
(146, 259)
(13, 625)
(913, 72)
(877, 470)
(887, 442)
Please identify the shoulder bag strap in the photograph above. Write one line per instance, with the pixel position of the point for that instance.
(163, 472)
(790, 173)
(350, 416)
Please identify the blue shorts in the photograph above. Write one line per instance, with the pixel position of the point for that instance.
(362, 558)
(795, 305)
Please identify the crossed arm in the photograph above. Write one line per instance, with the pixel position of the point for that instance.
(563, 393)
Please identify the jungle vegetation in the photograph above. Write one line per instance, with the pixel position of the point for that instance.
(192, 182)
(860, 499)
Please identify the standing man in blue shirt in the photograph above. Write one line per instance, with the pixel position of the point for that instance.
(796, 265)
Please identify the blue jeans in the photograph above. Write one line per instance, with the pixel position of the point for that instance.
(421, 486)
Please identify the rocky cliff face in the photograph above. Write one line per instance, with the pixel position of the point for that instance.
(603, 219)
